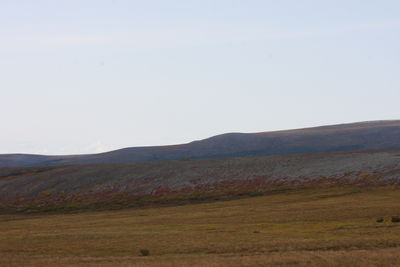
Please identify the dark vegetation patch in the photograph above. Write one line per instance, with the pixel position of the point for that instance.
(144, 252)
(115, 200)
(395, 219)
(333, 195)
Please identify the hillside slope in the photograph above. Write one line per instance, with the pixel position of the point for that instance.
(378, 168)
(378, 135)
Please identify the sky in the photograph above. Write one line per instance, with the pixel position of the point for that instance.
(96, 75)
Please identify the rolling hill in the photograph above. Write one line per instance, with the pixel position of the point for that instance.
(363, 136)
(243, 175)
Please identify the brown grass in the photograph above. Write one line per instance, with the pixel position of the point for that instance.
(324, 227)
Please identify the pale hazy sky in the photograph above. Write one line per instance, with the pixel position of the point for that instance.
(88, 76)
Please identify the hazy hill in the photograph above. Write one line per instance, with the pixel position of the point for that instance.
(377, 135)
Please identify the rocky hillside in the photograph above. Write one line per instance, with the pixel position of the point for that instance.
(378, 135)
(379, 167)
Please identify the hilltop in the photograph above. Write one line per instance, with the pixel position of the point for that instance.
(362, 136)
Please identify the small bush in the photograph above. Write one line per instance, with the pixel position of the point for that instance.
(379, 220)
(144, 252)
(395, 219)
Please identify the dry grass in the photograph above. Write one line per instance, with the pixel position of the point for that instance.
(324, 227)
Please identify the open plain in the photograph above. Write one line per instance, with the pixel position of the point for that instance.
(332, 226)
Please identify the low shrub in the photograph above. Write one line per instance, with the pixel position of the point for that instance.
(144, 252)
(395, 219)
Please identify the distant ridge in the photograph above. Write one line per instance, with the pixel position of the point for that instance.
(360, 136)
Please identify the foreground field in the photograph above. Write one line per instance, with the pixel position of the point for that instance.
(320, 227)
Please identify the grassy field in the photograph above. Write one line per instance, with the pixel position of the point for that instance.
(319, 227)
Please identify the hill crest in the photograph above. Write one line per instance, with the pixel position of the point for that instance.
(360, 136)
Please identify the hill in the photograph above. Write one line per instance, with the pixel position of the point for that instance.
(132, 184)
(377, 135)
